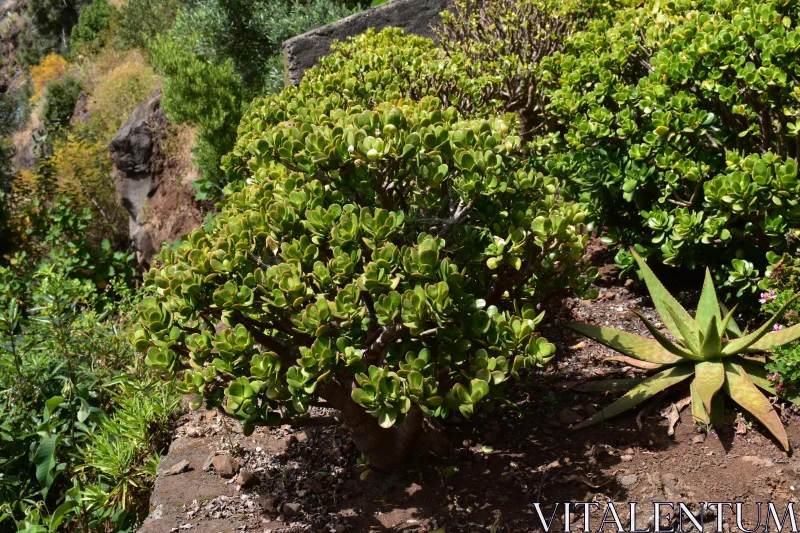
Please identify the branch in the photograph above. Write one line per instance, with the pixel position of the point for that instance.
(376, 347)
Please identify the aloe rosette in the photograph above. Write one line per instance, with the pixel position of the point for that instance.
(709, 348)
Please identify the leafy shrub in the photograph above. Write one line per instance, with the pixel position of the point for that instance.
(60, 98)
(61, 425)
(82, 172)
(117, 93)
(674, 124)
(56, 233)
(52, 68)
(710, 348)
(93, 23)
(382, 254)
(209, 79)
(143, 20)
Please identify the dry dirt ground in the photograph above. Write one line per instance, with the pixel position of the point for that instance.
(501, 463)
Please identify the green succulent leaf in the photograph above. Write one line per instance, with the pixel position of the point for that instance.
(650, 387)
(628, 344)
(739, 387)
(743, 343)
(671, 312)
(708, 380)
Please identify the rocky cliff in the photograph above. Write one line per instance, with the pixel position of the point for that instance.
(153, 176)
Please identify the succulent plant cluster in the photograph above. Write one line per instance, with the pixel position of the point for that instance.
(709, 348)
(674, 123)
(374, 245)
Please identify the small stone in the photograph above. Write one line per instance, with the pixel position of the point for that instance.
(699, 439)
(246, 479)
(413, 489)
(568, 417)
(291, 509)
(629, 480)
(178, 468)
(208, 462)
(629, 283)
(269, 503)
(339, 528)
(225, 466)
(210, 416)
(626, 458)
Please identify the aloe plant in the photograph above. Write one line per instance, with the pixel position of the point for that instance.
(710, 349)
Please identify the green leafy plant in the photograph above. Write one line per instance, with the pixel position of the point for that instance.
(210, 79)
(710, 349)
(382, 254)
(673, 124)
(93, 24)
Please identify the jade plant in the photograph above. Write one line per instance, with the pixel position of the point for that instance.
(709, 349)
(377, 256)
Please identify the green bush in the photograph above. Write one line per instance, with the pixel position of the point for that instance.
(675, 125)
(382, 254)
(140, 21)
(210, 79)
(93, 23)
(81, 423)
(61, 96)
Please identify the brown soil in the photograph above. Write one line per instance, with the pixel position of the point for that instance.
(501, 463)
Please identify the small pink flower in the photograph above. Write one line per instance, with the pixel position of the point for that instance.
(766, 296)
(777, 327)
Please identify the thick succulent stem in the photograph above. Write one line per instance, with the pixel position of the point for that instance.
(386, 449)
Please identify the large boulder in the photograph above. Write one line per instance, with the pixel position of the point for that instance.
(154, 187)
(416, 17)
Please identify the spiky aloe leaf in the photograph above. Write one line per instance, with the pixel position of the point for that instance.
(708, 379)
(644, 365)
(688, 332)
(708, 307)
(758, 375)
(663, 341)
(647, 389)
(628, 344)
(727, 320)
(661, 297)
(743, 343)
(712, 342)
(741, 388)
(699, 412)
(776, 338)
(731, 328)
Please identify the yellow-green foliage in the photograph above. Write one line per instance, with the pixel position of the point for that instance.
(82, 172)
(51, 68)
(118, 93)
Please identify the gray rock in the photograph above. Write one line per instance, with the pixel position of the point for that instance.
(291, 509)
(413, 16)
(155, 189)
(628, 481)
(178, 468)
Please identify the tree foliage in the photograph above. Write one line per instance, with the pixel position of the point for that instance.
(381, 253)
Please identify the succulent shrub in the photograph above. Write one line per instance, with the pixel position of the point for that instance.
(380, 254)
(709, 348)
(496, 56)
(674, 123)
